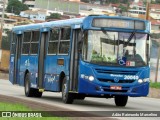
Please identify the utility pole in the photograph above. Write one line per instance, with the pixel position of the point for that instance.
(2, 21)
(147, 9)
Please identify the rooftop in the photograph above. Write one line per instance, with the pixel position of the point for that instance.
(29, 2)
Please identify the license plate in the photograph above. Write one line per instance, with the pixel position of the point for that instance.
(115, 88)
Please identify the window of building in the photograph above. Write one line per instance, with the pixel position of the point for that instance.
(53, 41)
(64, 40)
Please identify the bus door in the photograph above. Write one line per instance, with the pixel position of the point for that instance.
(41, 59)
(74, 60)
(17, 55)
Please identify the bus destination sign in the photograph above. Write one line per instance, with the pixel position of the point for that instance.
(118, 23)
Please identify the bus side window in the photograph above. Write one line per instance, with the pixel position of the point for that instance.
(34, 42)
(64, 40)
(26, 43)
(53, 41)
(13, 43)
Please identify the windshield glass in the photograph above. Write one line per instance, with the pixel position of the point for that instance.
(115, 48)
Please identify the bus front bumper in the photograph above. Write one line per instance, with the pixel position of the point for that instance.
(91, 88)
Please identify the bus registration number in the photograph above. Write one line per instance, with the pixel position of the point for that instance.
(115, 88)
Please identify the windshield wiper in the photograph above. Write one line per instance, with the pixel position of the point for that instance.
(130, 38)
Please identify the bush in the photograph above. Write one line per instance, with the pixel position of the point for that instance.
(155, 35)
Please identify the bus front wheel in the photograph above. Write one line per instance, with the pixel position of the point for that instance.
(121, 100)
(66, 96)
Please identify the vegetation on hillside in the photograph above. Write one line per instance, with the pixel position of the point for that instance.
(15, 6)
(6, 40)
(54, 16)
(155, 35)
(155, 1)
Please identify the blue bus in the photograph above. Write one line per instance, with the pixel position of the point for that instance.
(95, 56)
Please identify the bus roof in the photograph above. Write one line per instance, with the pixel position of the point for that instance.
(51, 24)
(67, 22)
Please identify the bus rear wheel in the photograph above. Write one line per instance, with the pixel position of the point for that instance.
(29, 92)
(66, 96)
(121, 100)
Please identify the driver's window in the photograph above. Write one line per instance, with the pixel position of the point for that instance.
(85, 45)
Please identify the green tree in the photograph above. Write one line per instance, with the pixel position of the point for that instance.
(15, 6)
(6, 40)
(157, 1)
(155, 35)
(123, 8)
(54, 16)
(125, 1)
(86, 1)
(114, 1)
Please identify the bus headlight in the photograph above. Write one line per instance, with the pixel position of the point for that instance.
(140, 81)
(91, 78)
(143, 80)
(146, 80)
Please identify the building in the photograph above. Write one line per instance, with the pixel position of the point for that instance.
(30, 4)
(155, 15)
(34, 15)
(136, 8)
(1, 5)
(88, 9)
(95, 11)
(8, 24)
(155, 7)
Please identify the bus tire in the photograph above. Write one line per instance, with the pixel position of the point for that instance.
(66, 96)
(37, 93)
(29, 92)
(121, 100)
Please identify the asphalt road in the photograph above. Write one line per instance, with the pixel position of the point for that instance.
(89, 104)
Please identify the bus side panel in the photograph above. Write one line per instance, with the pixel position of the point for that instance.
(53, 70)
(51, 77)
(29, 63)
(11, 69)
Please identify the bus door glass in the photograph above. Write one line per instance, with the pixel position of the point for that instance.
(12, 56)
(74, 60)
(18, 46)
(41, 59)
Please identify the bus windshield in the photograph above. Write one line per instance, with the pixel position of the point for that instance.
(115, 48)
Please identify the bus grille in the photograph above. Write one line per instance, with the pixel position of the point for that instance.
(112, 81)
(122, 72)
